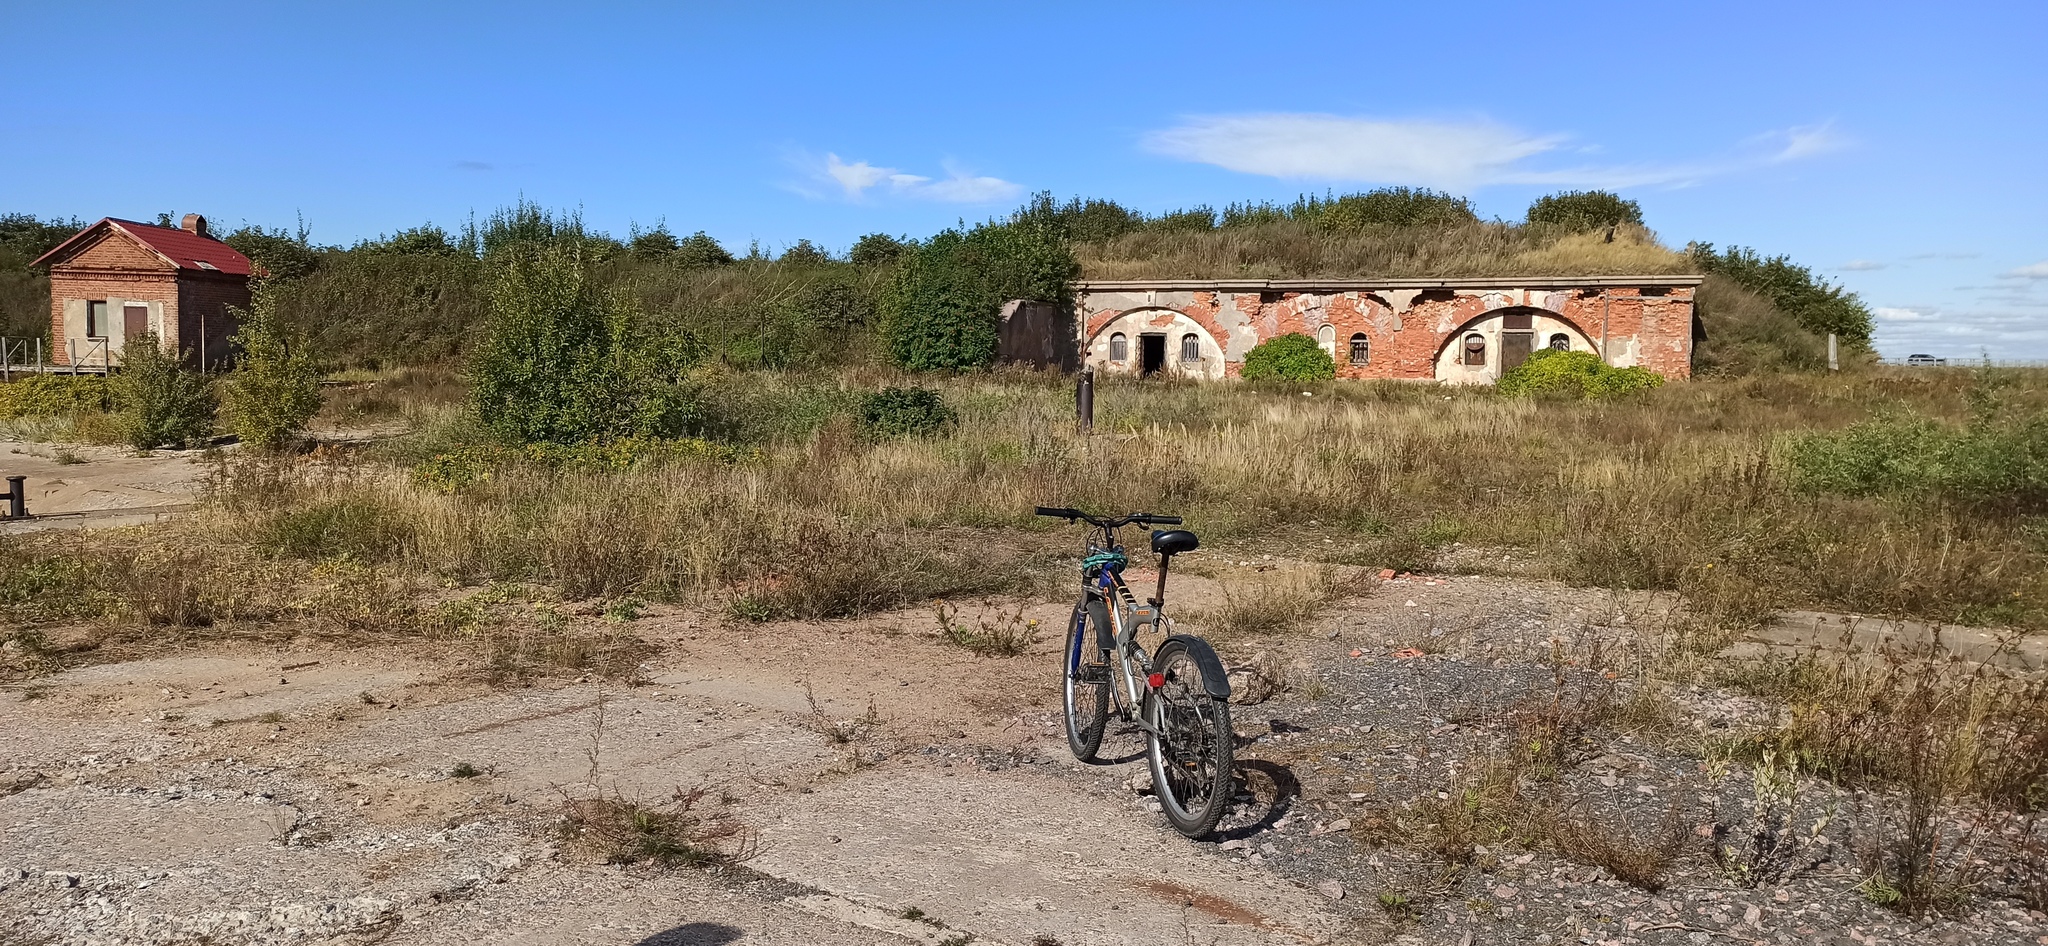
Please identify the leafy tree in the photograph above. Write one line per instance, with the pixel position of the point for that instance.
(941, 307)
(279, 253)
(1817, 305)
(806, 253)
(563, 365)
(1290, 357)
(698, 251)
(163, 402)
(655, 244)
(878, 249)
(1584, 210)
(275, 388)
(424, 240)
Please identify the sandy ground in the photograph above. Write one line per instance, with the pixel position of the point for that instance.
(64, 478)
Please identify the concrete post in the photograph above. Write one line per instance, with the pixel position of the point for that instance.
(1084, 401)
(1834, 353)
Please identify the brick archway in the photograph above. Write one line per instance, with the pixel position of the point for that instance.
(1502, 335)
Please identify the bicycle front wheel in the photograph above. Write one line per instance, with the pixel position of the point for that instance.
(1085, 679)
(1190, 743)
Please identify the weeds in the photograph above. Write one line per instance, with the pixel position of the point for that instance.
(1276, 607)
(1637, 858)
(689, 828)
(1006, 635)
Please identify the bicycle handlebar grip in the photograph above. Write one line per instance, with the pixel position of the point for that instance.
(1058, 512)
(1163, 520)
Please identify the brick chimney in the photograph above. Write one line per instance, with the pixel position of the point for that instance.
(194, 224)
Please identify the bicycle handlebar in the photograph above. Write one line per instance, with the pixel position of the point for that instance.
(1062, 512)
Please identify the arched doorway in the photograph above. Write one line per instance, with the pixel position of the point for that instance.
(1482, 350)
(1154, 342)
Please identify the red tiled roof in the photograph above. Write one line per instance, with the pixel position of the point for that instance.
(184, 249)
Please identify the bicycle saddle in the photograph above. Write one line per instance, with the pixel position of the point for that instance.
(1174, 541)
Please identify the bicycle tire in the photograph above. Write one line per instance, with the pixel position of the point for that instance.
(1190, 744)
(1086, 700)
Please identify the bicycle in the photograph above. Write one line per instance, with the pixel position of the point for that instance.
(1183, 706)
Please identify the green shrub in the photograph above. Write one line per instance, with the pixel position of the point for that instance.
(1818, 305)
(1574, 374)
(163, 403)
(878, 249)
(940, 310)
(50, 395)
(905, 412)
(275, 388)
(1584, 210)
(1999, 461)
(564, 363)
(1291, 357)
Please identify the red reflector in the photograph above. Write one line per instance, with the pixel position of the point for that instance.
(1156, 680)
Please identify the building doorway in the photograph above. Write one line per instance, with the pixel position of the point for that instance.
(1151, 354)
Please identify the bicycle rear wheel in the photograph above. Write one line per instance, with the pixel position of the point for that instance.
(1085, 679)
(1191, 745)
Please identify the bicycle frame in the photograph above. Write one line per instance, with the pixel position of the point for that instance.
(1127, 615)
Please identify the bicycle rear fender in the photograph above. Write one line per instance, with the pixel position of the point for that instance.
(1215, 681)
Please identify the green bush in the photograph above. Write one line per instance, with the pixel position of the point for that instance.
(1584, 210)
(1291, 357)
(564, 363)
(275, 388)
(905, 412)
(940, 310)
(51, 395)
(163, 403)
(1574, 374)
(878, 249)
(1818, 305)
(1999, 461)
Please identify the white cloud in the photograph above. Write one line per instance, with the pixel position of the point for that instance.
(1959, 333)
(1860, 266)
(858, 179)
(2035, 271)
(1446, 154)
(1805, 142)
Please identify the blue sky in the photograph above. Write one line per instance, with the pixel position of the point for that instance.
(1897, 148)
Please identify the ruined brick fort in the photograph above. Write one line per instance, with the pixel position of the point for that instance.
(1455, 331)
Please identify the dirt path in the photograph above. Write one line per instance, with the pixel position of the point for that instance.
(65, 478)
(304, 795)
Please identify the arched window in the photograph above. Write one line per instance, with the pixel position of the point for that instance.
(1191, 347)
(1361, 349)
(1327, 338)
(1119, 348)
(1560, 342)
(1475, 350)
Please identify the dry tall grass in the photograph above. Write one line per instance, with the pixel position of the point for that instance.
(1292, 249)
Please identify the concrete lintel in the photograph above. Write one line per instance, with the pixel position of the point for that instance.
(1368, 284)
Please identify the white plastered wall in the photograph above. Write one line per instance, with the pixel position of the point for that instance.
(1167, 322)
(1450, 362)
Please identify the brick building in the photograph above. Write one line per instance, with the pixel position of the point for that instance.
(1457, 331)
(117, 279)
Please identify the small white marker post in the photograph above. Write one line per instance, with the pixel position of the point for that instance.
(1834, 353)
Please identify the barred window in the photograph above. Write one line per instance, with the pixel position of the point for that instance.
(1361, 349)
(1475, 350)
(1191, 347)
(1119, 348)
(1560, 342)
